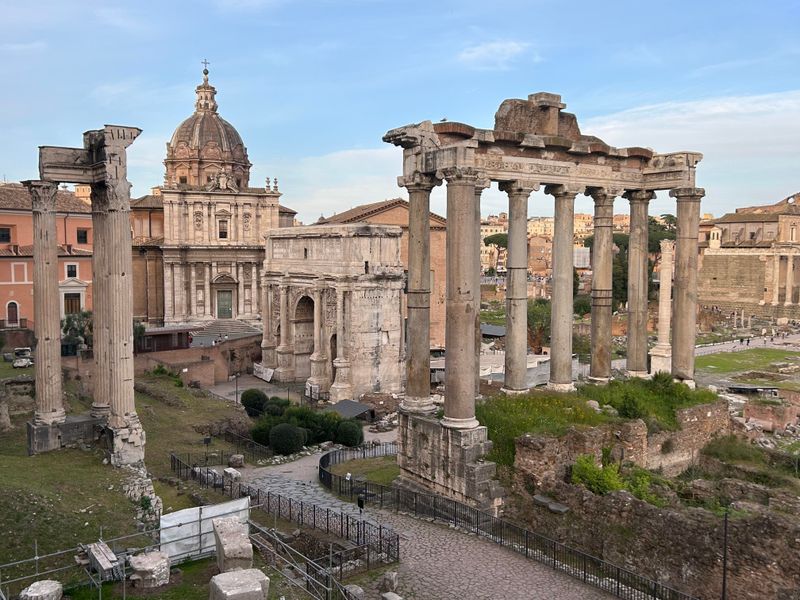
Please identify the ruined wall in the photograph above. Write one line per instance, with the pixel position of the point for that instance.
(679, 547)
(733, 277)
(548, 457)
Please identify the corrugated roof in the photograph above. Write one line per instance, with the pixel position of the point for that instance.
(13, 196)
(361, 212)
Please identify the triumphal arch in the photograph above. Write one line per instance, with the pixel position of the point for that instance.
(333, 311)
(534, 144)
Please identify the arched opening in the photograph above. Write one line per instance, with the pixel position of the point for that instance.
(303, 323)
(12, 314)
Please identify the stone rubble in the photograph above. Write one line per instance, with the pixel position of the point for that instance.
(150, 570)
(248, 584)
(234, 550)
(46, 589)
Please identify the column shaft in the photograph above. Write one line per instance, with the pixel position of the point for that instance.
(776, 279)
(180, 291)
(193, 288)
(169, 288)
(636, 361)
(341, 389)
(685, 287)
(207, 292)
(101, 406)
(267, 339)
(418, 378)
(240, 277)
(516, 359)
(562, 299)
(254, 295)
(602, 297)
(665, 291)
(47, 326)
(481, 185)
(789, 280)
(461, 316)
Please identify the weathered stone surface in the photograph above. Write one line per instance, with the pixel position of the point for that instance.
(389, 581)
(5, 420)
(234, 550)
(236, 461)
(356, 592)
(247, 584)
(150, 570)
(232, 474)
(391, 596)
(46, 589)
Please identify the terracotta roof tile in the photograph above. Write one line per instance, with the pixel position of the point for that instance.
(13, 196)
(359, 213)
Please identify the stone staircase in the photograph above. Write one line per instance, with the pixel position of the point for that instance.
(219, 329)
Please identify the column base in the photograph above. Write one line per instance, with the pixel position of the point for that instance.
(660, 360)
(510, 392)
(418, 406)
(452, 423)
(562, 388)
(100, 411)
(690, 383)
(788, 303)
(639, 374)
(74, 430)
(598, 380)
(49, 418)
(126, 442)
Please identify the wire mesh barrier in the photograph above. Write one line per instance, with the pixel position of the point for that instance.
(63, 566)
(384, 543)
(591, 570)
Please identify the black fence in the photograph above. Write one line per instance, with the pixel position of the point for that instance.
(589, 569)
(384, 543)
(252, 450)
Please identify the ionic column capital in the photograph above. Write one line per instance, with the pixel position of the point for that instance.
(419, 182)
(564, 191)
(639, 196)
(603, 196)
(519, 187)
(43, 194)
(462, 175)
(687, 194)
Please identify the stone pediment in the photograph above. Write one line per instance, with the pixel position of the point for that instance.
(73, 282)
(222, 212)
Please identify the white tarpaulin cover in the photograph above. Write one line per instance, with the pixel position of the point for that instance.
(190, 532)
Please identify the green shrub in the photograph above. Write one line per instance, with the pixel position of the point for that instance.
(286, 438)
(638, 482)
(321, 425)
(349, 433)
(276, 406)
(260, 433)
(599, 480)
(253, 401)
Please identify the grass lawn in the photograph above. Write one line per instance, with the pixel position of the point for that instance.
(757, 359)
(509, 417)
(6, 370)
(383, 470)
(495, 314)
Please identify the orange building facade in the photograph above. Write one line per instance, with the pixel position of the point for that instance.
(74, 230)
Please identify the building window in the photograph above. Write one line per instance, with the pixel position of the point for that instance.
(83, 236)
(793, 234)
(12, 313)
(182, 179)
(72, 271)
(5, 235)
(72, 304)
(223, 230)
(305, 252)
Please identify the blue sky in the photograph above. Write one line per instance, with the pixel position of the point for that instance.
(312, 86)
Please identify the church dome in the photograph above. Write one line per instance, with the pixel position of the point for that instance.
(204, 145)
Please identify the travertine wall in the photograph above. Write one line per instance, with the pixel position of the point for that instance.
(735, 277)
(545, 457)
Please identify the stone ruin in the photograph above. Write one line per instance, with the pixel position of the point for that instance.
(533, 144)
(101, 164)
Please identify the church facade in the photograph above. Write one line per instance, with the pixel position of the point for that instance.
(198, 239)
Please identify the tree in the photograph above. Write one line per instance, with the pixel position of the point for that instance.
(498, 239)
(582, 305)
(538, 324)
(490, 272)
(576, 282)
(670, 222)
(656, 232)
(77, 328)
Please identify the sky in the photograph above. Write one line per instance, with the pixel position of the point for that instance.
(312, 86)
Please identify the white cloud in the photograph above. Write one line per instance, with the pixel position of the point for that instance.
(23, 47)
(494, 56)
(749, 144)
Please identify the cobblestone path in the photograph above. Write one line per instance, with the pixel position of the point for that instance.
(440, 563)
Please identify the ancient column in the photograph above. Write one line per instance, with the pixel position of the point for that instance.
(101, 406)
(602, 265)
(516, 359)
(636, 361)
(461, 315)
(193, 288)
(776, 279)
(418, 297)
(789, 280)
(268, 338)
(317, 357)
(179, 285)
(254, 289)
(562, 298)
(284, 351)
(47, 326)
(480, 185)
(685, 287)
(661, 354)
(240, 269)
(207, 292)
(341, 389)
(169, 286)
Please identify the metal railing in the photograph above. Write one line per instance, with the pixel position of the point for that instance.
(593, 571)
(383, 541)
(252, 450)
